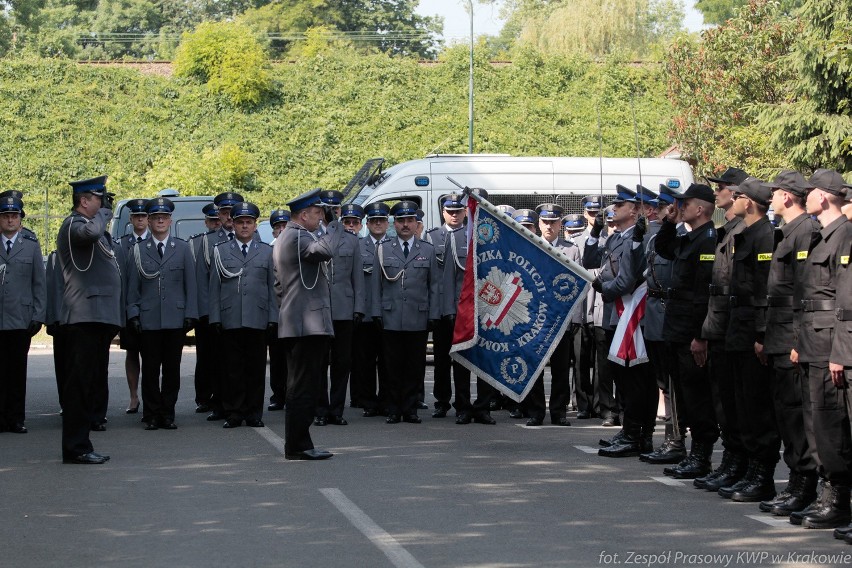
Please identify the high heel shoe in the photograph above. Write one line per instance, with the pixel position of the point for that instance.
(133, 410)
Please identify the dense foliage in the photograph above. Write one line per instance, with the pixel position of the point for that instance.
(323, 117)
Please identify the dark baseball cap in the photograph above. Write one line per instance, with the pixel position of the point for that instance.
(790, 181)
(699, 191)
(830, 181)
(731, 176)
(756, 190)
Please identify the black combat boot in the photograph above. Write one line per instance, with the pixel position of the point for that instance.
(822, 492)
(697, 464)
(801, 495)
(735, 472)
(834, 512)
(646, 444)
(792, 482)
(724, 466)
(614, 440)
(629, 446)
(760, 487)
(670, 451)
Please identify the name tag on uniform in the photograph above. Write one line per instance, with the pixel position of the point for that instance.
(707, 257)
(764, 256)
(802, 255)
(844, 260)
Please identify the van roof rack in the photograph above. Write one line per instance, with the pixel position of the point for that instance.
(363, 176)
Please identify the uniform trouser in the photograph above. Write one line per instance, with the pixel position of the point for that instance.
(161, 352)
(560, 384)
(368, 366)
(405, 357)
(583, 337)
(722, 379)
(605, 404)
(87, 367)
(219, 373)
(205, 363)
(442, 340)
(277, 370)
(786, 387)
(831, 423)
(660, 361)
(755, 406)
(485, 393)
(304, 379)
(13, 384)
(332, 395)
(694, 395)
(60, 360)
(246, 371)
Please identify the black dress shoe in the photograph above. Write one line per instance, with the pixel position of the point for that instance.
(313, 454)
(273, 406)
(440, 413)
(167, 425)
(484, 418)
(422, 406)
(202, 408)
(232, 423)
(152, 425)
(516, 414)
(337, 421)
(609, 422)
(255, 423)
(411, 419)
(18, 428)
(370, 412)
(98, 428)
(87, 459)
(392, 419)
(534, 422)
(132, 409)
(320, 421)
(464, 418)
(559, 421)
(215, 415)
(583, 415)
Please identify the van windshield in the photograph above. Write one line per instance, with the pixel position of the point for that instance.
(364, 181)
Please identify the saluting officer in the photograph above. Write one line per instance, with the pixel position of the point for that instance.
(278, 220)
(23, 298)
(692, 257)
(734, 461)
(162, 306)
(452, 210)
(406, 301)
(205, 360)
(788, 202)
(744, 338)
(550, 225)
(128, 339)
(304, 319)
(92, 312)
(827, 257)
(348, 301)
(243, 309)
(369, 359)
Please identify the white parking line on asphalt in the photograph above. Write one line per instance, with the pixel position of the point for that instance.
(587, 449)
(669, 481)
(271, 437)
(771, 520)
(398, 556)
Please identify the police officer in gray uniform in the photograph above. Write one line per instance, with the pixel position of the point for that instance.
(304, 319)
(92, 312)
(278, 220)
(22, 310)
(244, 310)
(581, 330)
(55, 290)
(368, 359)
(162, 305)
(406, 301)
(347, 310)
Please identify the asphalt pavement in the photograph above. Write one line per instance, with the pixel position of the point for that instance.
(430, 495)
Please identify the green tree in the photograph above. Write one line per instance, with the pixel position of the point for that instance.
(206, 172)
(228, 58)
(813, 125)
(719, 11)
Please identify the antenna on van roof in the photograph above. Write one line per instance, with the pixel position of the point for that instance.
(638, 156)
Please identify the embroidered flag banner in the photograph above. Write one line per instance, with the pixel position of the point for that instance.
(516, 302)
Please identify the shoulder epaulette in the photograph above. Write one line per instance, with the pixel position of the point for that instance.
(30, 237)
(221, 243)
(433, 229)
(427, 243)
(385, 240)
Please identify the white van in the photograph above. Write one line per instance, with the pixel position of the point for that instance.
(522, 182)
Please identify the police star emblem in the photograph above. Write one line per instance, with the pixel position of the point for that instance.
(502, 301)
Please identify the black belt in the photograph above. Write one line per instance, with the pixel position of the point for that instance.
(652, 293)
(843, 315)
(780, 301)
(817, 305)
(736, 301)
(719, 290)
(679, 294)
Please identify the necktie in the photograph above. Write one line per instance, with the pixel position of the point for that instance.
(8, 247)
(138, 239)
(230, 236)
(405, 249)
(160, 249)
(245, 251)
